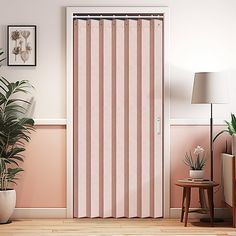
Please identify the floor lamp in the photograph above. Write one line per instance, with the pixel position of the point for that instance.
(209, 88)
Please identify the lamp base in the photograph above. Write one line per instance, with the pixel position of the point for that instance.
(208, 220)
(8, 222)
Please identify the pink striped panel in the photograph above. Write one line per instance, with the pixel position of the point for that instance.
(82, 120)
(126, 116)
(133, 118)
(120, 118)
(152, 114)
(101, 118)
(113, 39)
(107, 100)
(119, 84)
(75, 116)
(145, 118)
(88, 117)
(139, 118)
(94, 118)
(158, 78)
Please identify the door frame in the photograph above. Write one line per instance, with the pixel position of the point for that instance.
(70, 11)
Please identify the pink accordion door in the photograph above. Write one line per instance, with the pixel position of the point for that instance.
(118, 104)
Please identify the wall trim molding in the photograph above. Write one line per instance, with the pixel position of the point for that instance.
(192, 122)
(219, 213)
(37, 213)
(50, 121)
(173, 122)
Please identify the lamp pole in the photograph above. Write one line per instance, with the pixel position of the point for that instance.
(211, 142)
(209, 88)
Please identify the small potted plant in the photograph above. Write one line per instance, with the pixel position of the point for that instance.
(231, 130)
(196, 163)
(15, 131)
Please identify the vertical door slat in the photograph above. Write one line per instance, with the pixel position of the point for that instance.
(126, 118)
(152, 118)
(139, 118)
(145, 118)
(94, 118)
(133, 118)
(75, 117)
(113, 39)
(82, 121)
(120, 118)
(107, 100)
(158, 113)
(88, 117)
(101, 118)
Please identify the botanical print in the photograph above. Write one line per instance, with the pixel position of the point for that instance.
(21, 49)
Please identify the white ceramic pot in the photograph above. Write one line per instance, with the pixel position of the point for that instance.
(234, 144)
(196, 174)
(7, 204)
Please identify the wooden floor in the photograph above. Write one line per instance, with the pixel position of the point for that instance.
(114, 227)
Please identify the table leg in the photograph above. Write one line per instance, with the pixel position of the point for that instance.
(183, 199)
(234, 217)
(202, 198)
(211, 204)
(188, 198)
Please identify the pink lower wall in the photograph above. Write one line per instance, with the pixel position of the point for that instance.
(184, 139)
(43, 183)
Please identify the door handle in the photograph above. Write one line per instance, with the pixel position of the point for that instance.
(158, 125)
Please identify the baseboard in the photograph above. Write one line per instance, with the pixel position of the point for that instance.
(37, 213)
(223, 213)
(47, 213)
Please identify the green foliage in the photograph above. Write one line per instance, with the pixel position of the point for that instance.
(231, 127)
(195, 164)
(15, 129)
(1, 54)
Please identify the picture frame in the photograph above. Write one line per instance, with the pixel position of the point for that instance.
(21, 45)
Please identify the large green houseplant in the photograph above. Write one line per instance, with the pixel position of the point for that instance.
(231, 127)
(1, 53)
(231, 130)
(15, 131)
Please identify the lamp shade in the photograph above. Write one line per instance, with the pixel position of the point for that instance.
(209, 87)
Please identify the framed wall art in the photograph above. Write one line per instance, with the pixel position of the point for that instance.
(21, 44)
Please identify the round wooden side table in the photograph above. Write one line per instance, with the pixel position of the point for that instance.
(186, 199)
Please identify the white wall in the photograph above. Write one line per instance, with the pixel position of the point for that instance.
(203, 38)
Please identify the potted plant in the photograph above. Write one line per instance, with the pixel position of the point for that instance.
(196, 164)
(15, 131)
(231, 129)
